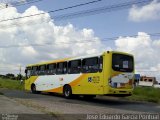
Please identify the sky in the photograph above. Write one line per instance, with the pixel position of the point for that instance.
(46, 38)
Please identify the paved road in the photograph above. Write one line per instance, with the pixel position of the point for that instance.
(14, 107)
(57, 107)
(13, 110)
(56, 104)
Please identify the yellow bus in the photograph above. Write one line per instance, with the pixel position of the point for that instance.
(109, 73)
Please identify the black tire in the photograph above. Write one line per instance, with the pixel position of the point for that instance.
(33, 89)
(67, 91)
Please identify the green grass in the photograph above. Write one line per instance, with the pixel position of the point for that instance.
(10, 84)
(148, 94)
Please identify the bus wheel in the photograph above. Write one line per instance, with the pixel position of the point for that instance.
(33, 89)
(67, 91)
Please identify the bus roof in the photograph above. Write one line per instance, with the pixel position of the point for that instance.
(74, 58)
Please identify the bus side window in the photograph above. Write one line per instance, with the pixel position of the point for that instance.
(100, 63)
(61, 68)
(42, 69)
(34, 70)
(74, 66)
(28, 72)
(47, 70)
(52, 69)
(31, 71)
(38, 70)
(64, 67)
(90, 65)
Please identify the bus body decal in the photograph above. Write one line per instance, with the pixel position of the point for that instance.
(73, 83)
(122, 80)
(49, 83)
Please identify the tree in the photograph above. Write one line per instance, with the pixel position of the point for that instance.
(10, 75)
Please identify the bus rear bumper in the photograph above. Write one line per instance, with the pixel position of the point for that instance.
(119, 92)
(118, 95)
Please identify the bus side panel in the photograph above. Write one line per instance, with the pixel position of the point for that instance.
(29, 81)
(107, 71)
(91, 84)
(55, 83)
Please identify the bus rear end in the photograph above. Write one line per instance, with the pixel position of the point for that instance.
(120, 80)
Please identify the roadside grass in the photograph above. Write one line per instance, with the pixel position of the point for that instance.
(11, 84)
(148, 94)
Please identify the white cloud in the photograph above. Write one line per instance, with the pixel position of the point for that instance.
(63, 41)
(145, 13)
(57, 41)
(145, 50)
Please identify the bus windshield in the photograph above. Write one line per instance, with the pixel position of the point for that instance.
(122, 63)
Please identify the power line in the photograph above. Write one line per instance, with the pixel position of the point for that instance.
(61, 9)
(20, 3)
(126, 4)
(94, 11)
(26, 2)
(80, 13)
(73, 41)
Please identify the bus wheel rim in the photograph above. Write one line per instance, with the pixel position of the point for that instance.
(67, 92)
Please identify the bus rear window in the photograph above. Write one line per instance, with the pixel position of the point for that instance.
(123, 63)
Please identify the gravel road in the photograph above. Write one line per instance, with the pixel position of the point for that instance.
(58, 106)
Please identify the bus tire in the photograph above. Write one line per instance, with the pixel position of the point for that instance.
(33, 89)
(67, 91)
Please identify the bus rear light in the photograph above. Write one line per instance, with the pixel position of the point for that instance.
(130, 82)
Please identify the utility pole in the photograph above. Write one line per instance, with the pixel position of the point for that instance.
(6, 5)
(20, 69)
(20, 76)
